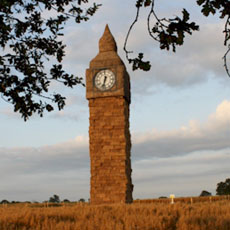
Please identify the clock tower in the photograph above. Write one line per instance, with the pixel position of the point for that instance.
(108, 93)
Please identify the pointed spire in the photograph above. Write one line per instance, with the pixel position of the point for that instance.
(107, 41)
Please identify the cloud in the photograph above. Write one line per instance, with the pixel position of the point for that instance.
(182, 175)
(65, 115)
(65, 156)
(77, 99)
(36, 173)
(212, 135)
(199, 59)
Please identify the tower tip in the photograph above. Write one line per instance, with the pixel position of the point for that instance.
(107, 41)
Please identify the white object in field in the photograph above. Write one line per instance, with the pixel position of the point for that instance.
(172, 196)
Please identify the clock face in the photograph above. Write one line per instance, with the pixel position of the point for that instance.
(104, 80)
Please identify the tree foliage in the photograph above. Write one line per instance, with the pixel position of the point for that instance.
(29, 38)
(205, 193)
(54, 199)
(4, 202)
(223, 188)
(32, 51)
(170, 32)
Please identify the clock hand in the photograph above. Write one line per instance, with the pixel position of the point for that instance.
(104, 81)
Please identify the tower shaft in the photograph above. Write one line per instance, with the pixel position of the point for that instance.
(110, 151)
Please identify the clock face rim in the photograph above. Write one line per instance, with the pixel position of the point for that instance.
(108, 86)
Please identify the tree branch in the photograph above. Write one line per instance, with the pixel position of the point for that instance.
(225, 61)
(227, 37)
(127, 36)
(148, 20)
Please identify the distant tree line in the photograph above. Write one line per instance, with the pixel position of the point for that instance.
(222, 188)
(53, 199)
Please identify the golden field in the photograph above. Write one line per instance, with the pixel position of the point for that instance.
(158, 214)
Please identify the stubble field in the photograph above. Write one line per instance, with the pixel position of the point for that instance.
(184, 214)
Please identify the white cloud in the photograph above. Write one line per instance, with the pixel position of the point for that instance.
(211, 135)
(183, 175)
(76, 99)
(36, 173)
(65, 115)
(51, 158)
(222, 114)
(199, 59)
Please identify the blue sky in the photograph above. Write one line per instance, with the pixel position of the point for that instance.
(179, 115)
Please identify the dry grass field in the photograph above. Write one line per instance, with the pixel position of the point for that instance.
(204, 214)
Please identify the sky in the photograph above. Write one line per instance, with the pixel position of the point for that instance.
(179, 115)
